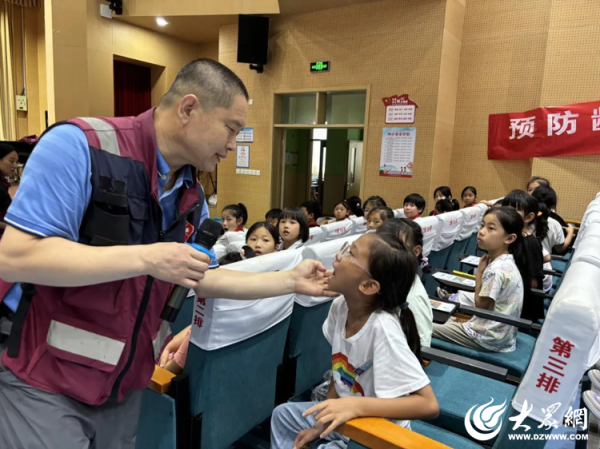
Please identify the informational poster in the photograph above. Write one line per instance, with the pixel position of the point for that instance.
(397, 152)
(243, 156)
(246, 135)
(399, 109)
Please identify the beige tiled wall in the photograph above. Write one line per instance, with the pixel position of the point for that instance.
(394, 46)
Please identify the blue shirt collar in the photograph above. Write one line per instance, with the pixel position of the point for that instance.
(163, 169)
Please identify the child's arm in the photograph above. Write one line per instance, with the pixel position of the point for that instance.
(482, 302)
(568, 239)
(422, 404)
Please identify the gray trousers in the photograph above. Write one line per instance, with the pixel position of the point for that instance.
(31, 418)
(455, 333)
(287, 421)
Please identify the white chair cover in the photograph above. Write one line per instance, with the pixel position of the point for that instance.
(222, 322)
(234, 247)
(360, 224)
(399, 213)
(220, 247)
(337, 230)
(451, 222)
(316, 235)
(430, 227)
(325, 253)
(567, 345)
(470, 224)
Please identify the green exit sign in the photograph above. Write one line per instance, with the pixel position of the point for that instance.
(320, 66)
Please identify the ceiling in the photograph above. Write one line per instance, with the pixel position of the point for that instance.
(203, 29)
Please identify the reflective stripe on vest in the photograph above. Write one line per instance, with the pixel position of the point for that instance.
(106, 134)
(84, 343)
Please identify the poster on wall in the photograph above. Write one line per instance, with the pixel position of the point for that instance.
(246, 135)
(397, 152)
(569, 130)
(399, 109)
(243, 156)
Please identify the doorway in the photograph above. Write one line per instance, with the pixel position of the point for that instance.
(132, 88)
(324, 165)
(318, 146)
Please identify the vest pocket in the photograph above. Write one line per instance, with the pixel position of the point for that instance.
(109, 224)
(138, 212)
(78, 359)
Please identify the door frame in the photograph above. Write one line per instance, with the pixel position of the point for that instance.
(278, 132)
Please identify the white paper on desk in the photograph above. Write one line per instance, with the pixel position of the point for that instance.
(442, 306)
(471, 260)
(456, 279)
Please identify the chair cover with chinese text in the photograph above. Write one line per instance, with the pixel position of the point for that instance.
(315, 236)
(228, 321)
(337, 230)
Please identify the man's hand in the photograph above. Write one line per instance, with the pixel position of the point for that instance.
(334, 412)
(311, 278)
(175, 263)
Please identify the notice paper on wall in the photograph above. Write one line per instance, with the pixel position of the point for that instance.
(246, 135)
(243, 156)
(397, 152)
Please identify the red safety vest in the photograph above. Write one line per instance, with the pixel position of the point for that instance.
(95, 342)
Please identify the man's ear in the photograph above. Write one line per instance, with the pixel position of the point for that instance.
(186, 105)
(369, 287)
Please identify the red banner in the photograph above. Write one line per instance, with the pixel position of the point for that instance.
(569, 130)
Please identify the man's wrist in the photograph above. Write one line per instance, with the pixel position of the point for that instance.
(289, 281)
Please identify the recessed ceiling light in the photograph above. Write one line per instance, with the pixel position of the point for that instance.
(161, 22)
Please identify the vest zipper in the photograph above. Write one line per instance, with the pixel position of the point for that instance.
(144, 305)
(136, 331)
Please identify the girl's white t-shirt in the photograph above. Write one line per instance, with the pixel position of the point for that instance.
(555, 236)
(419, 304)
(375, 362)
(502, 282)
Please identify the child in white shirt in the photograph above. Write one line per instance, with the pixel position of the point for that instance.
(375, 349)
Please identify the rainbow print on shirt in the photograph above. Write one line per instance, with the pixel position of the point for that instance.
(348, 373)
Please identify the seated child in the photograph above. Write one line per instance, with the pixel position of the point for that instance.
(312, 210)
(412, 236)
(535, 182)
(500, 283)
(469, 196)
(414, 205)
(272, 217)
(378, 216)
(443, 206)
(261, 239)
(559, 236)
(233, 220)
(372, 202)
(356, 210)
(534, 221)
(341, 212)
(444, 193)
(293, 228)
(375, 349)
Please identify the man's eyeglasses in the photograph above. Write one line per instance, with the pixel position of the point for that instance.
(345, 252)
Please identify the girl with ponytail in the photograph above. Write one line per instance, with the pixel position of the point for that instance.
(501, 283)
(375, 347)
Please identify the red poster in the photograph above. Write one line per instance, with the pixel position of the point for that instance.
(399, 109)
(569, 130)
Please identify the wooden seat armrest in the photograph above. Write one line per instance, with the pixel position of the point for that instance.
(161, 380)
(573, 222)
(379, 433)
